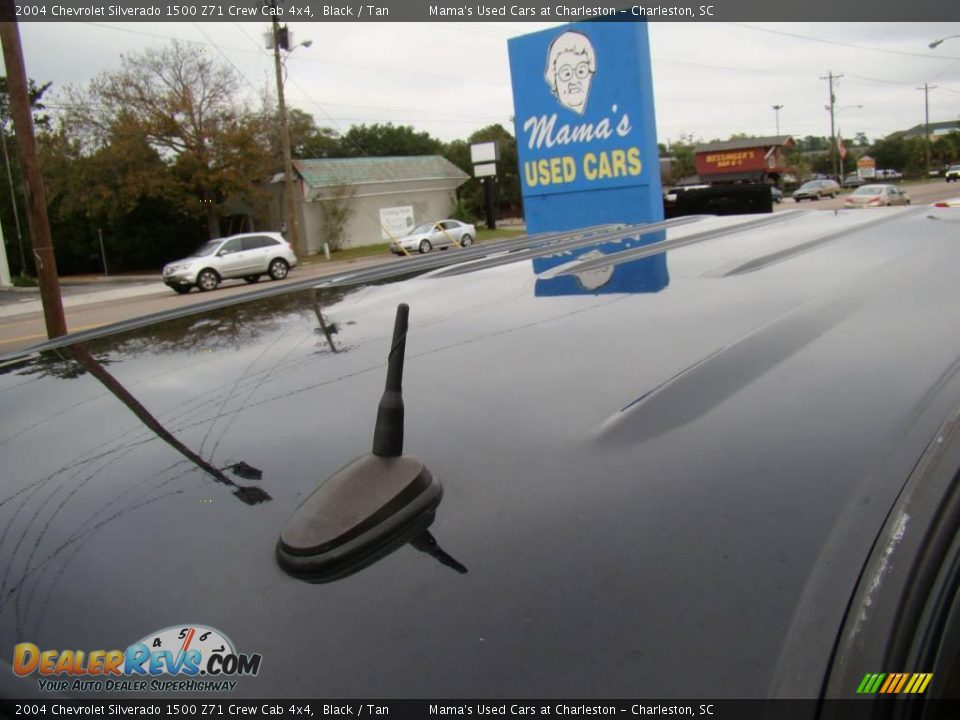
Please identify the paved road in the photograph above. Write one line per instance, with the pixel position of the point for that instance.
(920, 194)
(89, 305)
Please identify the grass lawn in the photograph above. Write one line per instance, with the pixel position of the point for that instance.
(384, 248)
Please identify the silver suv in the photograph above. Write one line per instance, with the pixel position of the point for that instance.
(246, 256)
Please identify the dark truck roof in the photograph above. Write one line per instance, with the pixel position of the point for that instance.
(666, 483)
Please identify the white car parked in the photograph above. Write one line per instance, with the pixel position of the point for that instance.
(246, 256)
(876, 196)
(443, 233)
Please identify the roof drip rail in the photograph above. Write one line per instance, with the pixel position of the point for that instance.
(635, 253)
(575, 240)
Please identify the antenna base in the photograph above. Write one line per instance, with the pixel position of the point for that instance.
(363, 512)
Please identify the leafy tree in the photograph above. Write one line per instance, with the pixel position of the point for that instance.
(311, 141)
(35, 92)
(307, 140)
(21, 265)
(387, 140)
(901, 153)
(798, 164)
(124, 190)
(811, 142)
(188, 108)
(684, 157)
(945, 150)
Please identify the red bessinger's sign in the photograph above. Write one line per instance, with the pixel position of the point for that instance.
(731, 161)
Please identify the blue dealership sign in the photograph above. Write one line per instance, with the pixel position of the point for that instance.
(585, 126)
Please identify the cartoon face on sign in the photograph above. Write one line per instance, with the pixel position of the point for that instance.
(571, 65)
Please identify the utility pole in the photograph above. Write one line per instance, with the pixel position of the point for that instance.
(926, 123)
(834, 150)
(293, 226)
(32, 180)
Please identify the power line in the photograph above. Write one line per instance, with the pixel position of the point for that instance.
(844, 44)
(429, 116)
(406, 72)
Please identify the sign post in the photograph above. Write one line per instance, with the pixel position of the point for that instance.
(484, 157)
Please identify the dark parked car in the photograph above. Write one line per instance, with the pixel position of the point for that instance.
(853, 181)
(719, 199)
(816, 189)
(710, 458)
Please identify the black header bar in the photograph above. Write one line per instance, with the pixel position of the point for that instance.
(486, 11)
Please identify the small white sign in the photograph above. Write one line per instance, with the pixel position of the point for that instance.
(485, 170)
(484, 153)
(395, 221)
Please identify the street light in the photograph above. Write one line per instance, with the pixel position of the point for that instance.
(934, 44)
(776, 110)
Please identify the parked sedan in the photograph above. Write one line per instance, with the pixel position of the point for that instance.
(816, 189)
(876, 196)
(853, 181)
(246, 256)
(441, 234)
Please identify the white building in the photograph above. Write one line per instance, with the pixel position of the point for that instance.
(360, 188)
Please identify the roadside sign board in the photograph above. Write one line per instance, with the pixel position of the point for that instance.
(585, 126)
(395, 221)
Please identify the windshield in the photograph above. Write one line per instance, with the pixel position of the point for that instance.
(426, 227)
(812, 185)
(208, 248)
(869, 190)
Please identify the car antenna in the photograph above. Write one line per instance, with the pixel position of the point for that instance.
(388, 432)
(371, 506)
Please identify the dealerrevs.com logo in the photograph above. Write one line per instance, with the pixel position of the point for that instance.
(183, 658)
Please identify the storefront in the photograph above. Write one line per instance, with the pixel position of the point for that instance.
(747, 160)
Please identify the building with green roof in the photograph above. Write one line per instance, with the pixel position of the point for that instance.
(349, 202)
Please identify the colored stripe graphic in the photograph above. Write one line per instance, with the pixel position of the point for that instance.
(891, 680)
(914, 683)
(864, 684)
(894, 683)
(870, 683)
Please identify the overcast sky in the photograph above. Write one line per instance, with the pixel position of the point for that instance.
(449, 79)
